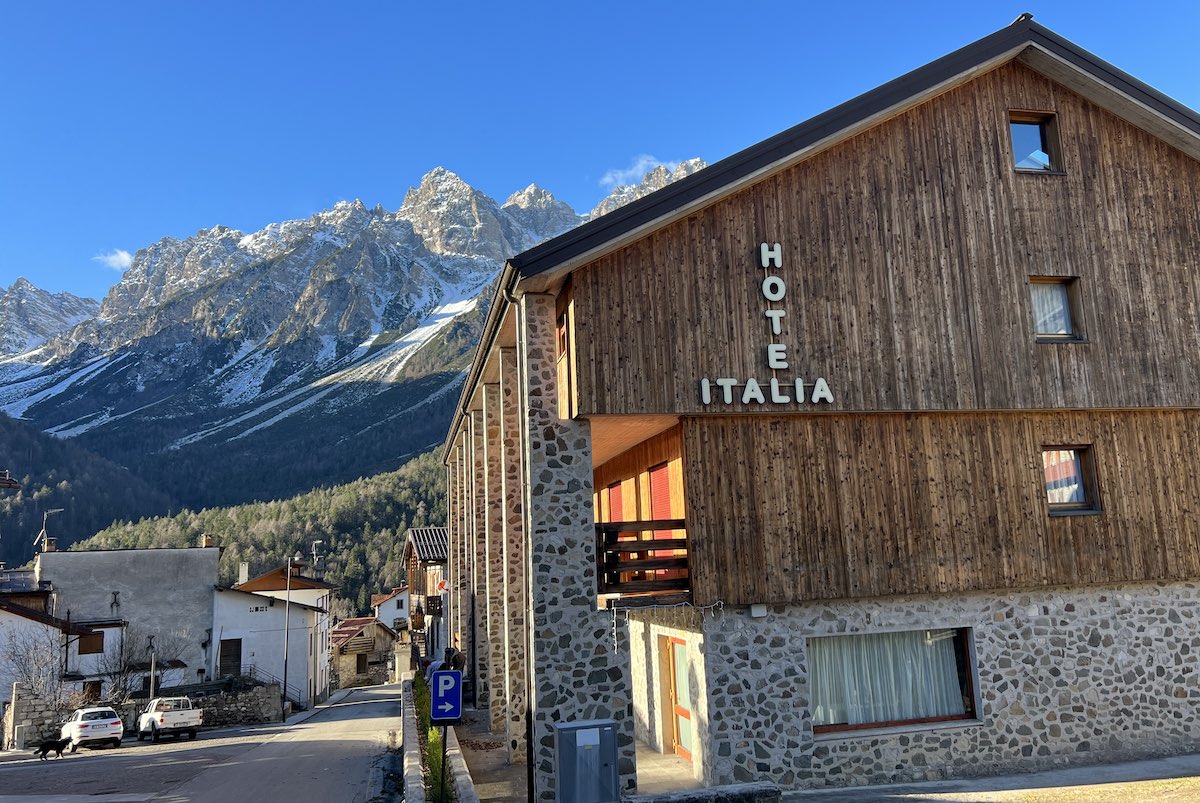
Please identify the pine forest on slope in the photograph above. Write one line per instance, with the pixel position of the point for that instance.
(362, 525)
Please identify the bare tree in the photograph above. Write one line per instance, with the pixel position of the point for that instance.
(126, 667)
(33, 656)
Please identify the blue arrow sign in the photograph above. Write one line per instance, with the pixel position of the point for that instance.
(445, 696)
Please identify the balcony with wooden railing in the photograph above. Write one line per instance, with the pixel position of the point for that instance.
(637, 569)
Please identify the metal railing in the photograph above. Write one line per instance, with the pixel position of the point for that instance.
(290, 692)
(631, 564)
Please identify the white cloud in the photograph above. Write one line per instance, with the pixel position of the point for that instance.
(641, 165)
(117, 259)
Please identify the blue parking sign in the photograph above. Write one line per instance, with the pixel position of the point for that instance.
(445, 696)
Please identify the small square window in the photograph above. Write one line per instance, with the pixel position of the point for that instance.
(1055, 304)
(1034, 142)
(1070, 480)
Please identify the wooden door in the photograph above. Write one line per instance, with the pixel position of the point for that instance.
(230, 660)
(681, 712)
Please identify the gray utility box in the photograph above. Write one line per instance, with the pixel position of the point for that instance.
(587, 762)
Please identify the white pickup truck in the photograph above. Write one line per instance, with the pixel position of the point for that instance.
(165, 715)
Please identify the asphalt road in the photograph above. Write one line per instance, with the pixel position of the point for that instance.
(330, 757)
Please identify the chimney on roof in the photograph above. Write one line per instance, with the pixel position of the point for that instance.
(207, 541)
(49, 543)
(243, 572)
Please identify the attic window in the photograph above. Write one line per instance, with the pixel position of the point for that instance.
(1035, 142)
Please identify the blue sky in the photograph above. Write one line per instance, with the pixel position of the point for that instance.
(125, 122)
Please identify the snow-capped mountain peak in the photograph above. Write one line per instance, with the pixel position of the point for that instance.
(29, 316)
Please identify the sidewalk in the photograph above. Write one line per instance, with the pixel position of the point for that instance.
(1163, 780)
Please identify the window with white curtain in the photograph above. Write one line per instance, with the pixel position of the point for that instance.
(882, 679)
(1053, 301)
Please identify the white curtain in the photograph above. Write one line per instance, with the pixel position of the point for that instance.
(884, 677)
(1051, 311)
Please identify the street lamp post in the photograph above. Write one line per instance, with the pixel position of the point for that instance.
(153, 666)
(287, 619)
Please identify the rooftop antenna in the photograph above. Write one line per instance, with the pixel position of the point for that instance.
(43, 537)
(7, 481)
(316, 557)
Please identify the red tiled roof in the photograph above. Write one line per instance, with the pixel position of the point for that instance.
(349, 628)
(379, 599)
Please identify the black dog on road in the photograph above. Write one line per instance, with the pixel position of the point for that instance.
(52, 746)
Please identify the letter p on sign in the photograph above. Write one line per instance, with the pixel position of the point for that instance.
(445, 704)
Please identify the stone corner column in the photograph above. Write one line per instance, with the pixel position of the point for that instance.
(516, 675)
(493, 538)
(580, 671)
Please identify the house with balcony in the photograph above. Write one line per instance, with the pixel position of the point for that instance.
(864, 455)
(425, 556)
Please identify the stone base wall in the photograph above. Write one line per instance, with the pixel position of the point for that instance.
(649, 632)
(41, 718)
(247, 707)
(1064, 676)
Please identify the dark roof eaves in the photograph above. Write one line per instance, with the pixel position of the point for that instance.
(1116, 77)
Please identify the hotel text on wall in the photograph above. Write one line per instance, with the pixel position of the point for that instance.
(778, 389)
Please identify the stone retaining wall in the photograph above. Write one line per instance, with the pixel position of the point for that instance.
(40, 718)
(247, 707)
(1066, 676)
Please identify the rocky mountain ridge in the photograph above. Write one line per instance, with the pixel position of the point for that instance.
(30, 316)
(331, 346)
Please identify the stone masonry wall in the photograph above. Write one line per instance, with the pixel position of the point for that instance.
(578, 672)
(516, 676)
(1065, 676)
(478, 558)
(251, 706)
(40, 717)
(493, 543)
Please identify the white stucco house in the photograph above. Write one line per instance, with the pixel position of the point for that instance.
(308, 625)
(248, 631)
(392, 608)
(31, 638)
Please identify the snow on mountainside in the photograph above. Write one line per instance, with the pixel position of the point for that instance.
(29, 316)
(343, 336)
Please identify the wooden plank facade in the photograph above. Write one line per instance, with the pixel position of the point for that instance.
(845, 506)
(907, 253)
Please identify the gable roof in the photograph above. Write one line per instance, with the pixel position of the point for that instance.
(276, 580)
(379, 599)
(350, 628)
(1025, 40)
(430, 543)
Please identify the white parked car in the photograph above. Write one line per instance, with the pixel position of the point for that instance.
(93, 726)
(169, 715)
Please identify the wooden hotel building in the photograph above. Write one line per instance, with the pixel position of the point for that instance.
(868, 454)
